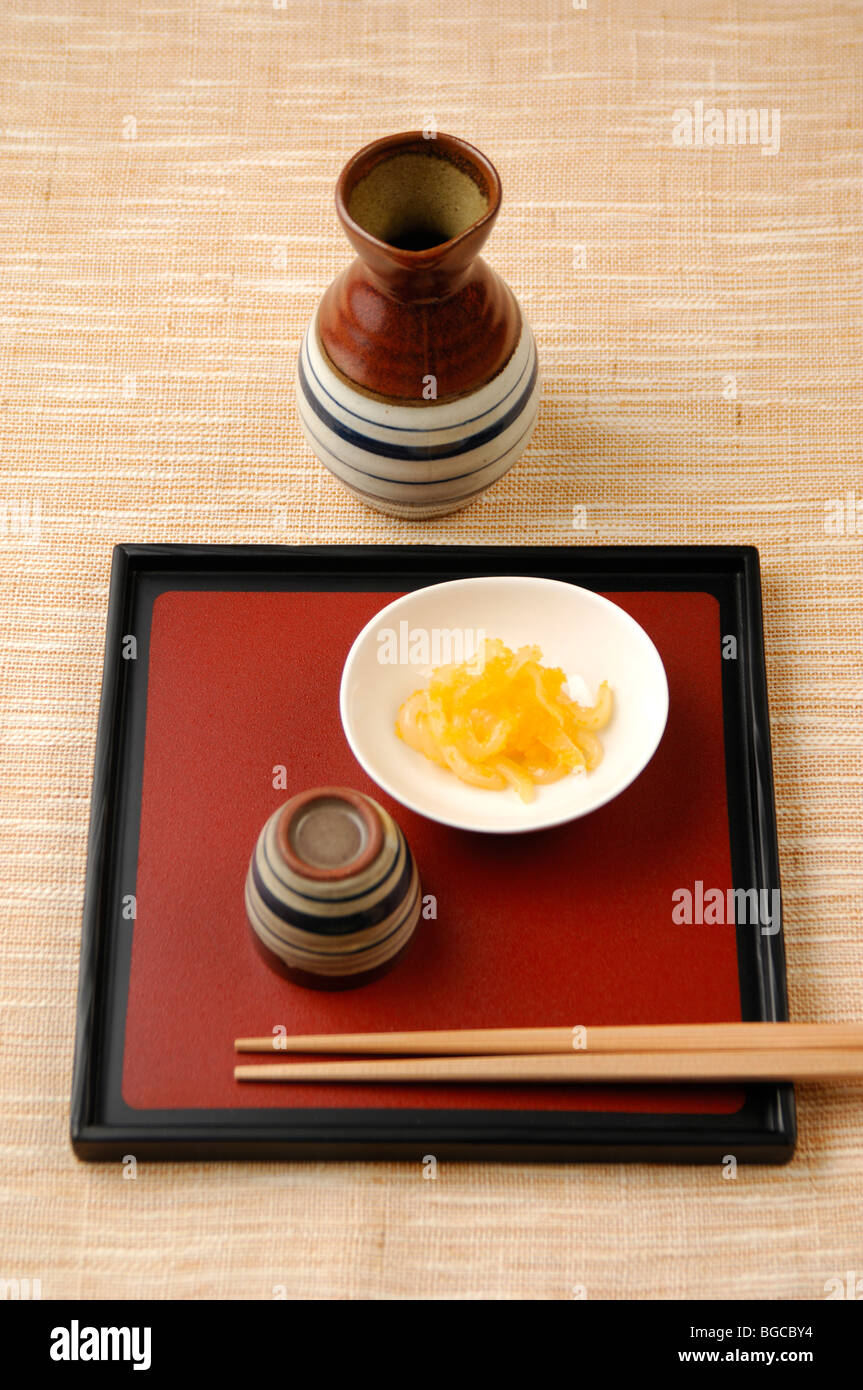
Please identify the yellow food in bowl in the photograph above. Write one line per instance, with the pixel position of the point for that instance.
(504, 720)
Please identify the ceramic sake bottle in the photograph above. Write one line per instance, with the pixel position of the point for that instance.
(417, 382)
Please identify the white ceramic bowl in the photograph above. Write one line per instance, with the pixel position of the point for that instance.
(591, 638)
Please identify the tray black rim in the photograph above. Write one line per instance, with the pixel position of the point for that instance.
(764, 1131)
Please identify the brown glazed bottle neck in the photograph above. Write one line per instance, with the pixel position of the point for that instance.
(418, 283)
(431, 272)
(402, 313)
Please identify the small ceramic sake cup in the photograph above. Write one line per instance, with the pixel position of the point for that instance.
(332, 893)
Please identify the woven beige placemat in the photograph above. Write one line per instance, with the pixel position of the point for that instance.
(166, 200)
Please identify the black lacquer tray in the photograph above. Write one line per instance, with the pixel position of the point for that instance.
(221, 664)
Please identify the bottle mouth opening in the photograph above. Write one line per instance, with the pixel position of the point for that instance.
(415, 195)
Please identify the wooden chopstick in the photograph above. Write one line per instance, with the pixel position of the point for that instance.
(672, 1037)
(793, 1064)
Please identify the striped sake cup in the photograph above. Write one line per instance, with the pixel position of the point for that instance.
(332, 892)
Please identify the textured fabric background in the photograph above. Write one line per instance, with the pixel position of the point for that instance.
(167, 227)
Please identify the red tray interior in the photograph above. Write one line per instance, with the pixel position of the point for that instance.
(568, 926)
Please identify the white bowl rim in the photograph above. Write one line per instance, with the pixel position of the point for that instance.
(555, 818)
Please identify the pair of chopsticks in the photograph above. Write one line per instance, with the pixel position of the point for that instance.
(659, 1053)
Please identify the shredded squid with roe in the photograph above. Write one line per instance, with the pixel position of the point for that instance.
(504, 720)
